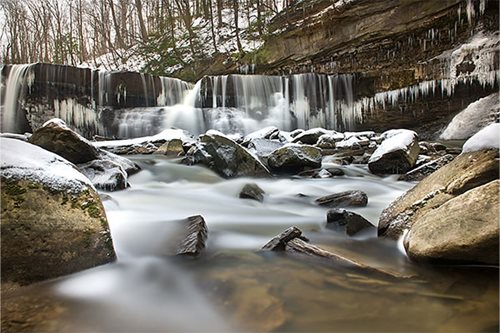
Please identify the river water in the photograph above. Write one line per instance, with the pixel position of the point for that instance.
(232, 287)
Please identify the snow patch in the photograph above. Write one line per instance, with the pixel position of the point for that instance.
(394, 140)
(487, 138)
(24, 161)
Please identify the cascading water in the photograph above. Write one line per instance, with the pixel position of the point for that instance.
(20, 78)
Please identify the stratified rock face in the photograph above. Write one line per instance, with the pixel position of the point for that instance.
(52, 219)
(464, 173)
(193, 236)
(398, 152)
(56, 137)
(293, 158)
(464, 229)
(229, 159)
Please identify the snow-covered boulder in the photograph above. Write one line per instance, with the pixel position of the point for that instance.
(329, 140)
(294, 158)
(397, 153)
(105, 169)
(270, 132)
(226, 157)
(52, 219)
(474, 117)
(311, 136)
(487, 138)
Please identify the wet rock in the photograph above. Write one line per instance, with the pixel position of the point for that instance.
(173, 147)
(52, 219)
(396, 154)
(322, 173)
(293, 158)
(105, 175)
(56, 137)
(279, 242)
(464, 229)
(296, 132)
(252, 191)
(352, 223)
(310, 137)
(464, 173)
(329, 140)
(344, 199)
(194, 236)
(228, 158)
(426, 169)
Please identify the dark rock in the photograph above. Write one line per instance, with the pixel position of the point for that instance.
(454, 150)
(322, 173)
(438, 146)
(279, 242)
(294, 158)
(296, 132)
(173, 147)
(344, 199)
(464, 173)
(228, 158)
(310, 136)
(105, 175)
(252, 191)
(396, 154)
(193, 237)
(465, 229)
(426, 169)
(329, 140)
(339, 219)
(56, 137)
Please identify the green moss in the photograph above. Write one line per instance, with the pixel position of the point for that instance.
(14, 189)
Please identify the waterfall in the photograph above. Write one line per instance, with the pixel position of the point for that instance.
(20, 77)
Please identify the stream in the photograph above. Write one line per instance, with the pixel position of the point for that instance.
(232, 287)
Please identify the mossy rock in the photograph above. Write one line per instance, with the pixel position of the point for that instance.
(47, 233)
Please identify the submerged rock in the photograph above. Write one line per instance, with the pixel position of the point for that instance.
(344, 199)
(352, 223)
(398, 152)
(252, 191)
(464, 229)
(52, 219)
(228, 158)
(293, 158)
(464, 173)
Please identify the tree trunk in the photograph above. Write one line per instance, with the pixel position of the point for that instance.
(142, 26)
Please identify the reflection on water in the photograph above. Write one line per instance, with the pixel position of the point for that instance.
(233, 288)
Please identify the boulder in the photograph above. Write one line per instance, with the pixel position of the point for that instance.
(293, 158)
(329, 140)
(56, 137)
(464, 229)
(52, 219)
(105, 175)
(352, 223)
(464, 173)
(310, 137)
(269, 132)
(173, 147)
(252, 191)
(396, 154)
(230, 159)
(344, 199)
(322, 173)
(264, 147)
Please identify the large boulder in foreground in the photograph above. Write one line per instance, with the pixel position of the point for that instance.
(294, 158)
(228, 158)
(464, 173)
(464, 229)
(52, 219)
(397, 154)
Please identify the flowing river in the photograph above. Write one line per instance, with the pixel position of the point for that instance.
(232, 287)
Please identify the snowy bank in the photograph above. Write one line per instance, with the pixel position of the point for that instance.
(487, 138)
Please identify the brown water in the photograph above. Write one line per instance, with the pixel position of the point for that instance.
(234, 288)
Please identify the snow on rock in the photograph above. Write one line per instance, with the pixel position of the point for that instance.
(395, 139)
(264, 133)
(476, 116)
(166, 135)
(487, 138)
(24, 161)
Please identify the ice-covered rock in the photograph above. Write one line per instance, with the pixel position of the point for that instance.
(310, 136)
(473, 118)
(397, 153)
(105, 175)
(270, 132)
(52, 219)
(329, 140)
(264, 147)
(487, 138)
